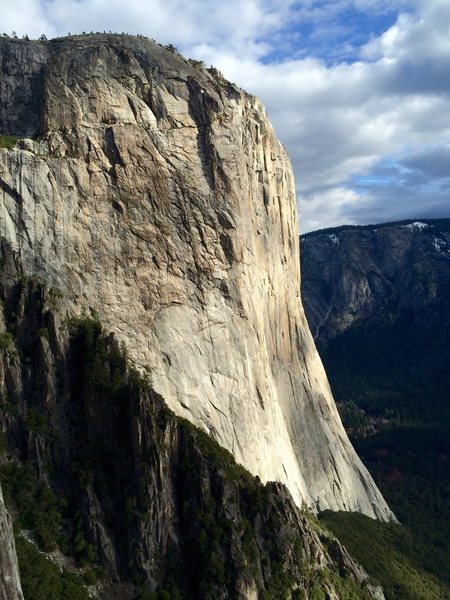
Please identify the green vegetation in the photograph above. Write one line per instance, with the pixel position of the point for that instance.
(55, 297)
(219, 506)
(43, 580)
(411, 465)
(6, 341)
(43, 332)
(197, 64)
(104, 363)
(203, 521)
(215, 454)
(8, 141)
(84, 552)
(389, 552)
(381, 366)
(395, 368)
(171, 48)
(37, 422)
(36, 505)
(40, 511)
(211, 564)
(352, 416)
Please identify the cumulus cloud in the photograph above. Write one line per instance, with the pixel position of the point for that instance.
(343, 120)
(358, 90)
(324, 208)
(238, 24)
(26, 17)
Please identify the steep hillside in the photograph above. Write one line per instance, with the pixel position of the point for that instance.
(154, 192)
(130, 500)
(377, 299)
(356, 274)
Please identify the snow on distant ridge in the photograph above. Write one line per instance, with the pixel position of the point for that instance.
(415, 225)
(333, 237)
(442, 244)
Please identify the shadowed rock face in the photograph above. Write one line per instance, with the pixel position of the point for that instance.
(148, 497)
(10, 588)
(22, 87)
(156, 194)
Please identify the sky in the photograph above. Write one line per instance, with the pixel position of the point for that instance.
(358, 90)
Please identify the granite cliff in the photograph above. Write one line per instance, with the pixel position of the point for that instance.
(155, 193)
(115, 497)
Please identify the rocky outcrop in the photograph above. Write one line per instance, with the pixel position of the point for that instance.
(141, 497)
(156, 193)
(10, 587)
(359, 275)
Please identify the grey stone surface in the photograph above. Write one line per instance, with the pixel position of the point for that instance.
(157, 194)
(10, 587)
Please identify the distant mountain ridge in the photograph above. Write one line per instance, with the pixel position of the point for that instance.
(377, 301)
(443, 224)
(355, 273)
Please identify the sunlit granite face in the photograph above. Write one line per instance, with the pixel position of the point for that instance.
(157, 194)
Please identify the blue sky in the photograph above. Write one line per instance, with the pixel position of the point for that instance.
(358, 90)
(330, 32)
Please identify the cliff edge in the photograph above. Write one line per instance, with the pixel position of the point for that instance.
(154, 192)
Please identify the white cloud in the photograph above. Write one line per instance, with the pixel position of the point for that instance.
(235, 23)
(25, 17)
(324, 209)
(339, 120)
(342, 120)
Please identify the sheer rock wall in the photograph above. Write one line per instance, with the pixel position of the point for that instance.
(157, 194)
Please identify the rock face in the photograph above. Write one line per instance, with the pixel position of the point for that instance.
(156, 194)
(361, 275)
(150, 499)
(10, 587)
